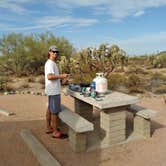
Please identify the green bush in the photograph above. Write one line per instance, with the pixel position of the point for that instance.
(160, 60)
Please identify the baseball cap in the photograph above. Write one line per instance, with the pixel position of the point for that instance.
(53, 48)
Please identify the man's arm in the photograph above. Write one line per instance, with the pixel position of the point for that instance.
(59, 76)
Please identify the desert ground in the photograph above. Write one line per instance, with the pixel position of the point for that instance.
(29, 112)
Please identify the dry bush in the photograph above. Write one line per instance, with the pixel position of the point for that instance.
(160, 90)
(24, 85)
(10, 88)
(78, 78)
(119, 70)
(157, 80)
(116, 80)
(135, 84)
(31, 79)
(40, 79)
(136, 70)
(3, 83)
(158, 76)
(43, 86)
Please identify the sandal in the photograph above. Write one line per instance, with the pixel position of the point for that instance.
(64, 135)
(58, 134)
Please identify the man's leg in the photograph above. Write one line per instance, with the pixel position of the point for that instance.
(57, 133)
(48, 118)
(48, 122)
(54, 120)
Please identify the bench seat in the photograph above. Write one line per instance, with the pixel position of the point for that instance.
(142, 120)
(143, 112)
(78, 128)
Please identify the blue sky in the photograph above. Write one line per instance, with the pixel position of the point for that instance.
(136, 26)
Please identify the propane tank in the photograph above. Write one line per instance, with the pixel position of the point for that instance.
(100, 83)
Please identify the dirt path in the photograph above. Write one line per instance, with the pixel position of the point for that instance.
(30, 113)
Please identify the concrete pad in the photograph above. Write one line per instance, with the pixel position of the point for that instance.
(39, 151)
(6, 113)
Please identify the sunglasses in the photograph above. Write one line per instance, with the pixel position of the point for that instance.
(55, 52)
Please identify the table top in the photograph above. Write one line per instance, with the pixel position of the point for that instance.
(109, 100)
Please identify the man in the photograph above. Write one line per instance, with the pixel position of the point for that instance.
(53, 90)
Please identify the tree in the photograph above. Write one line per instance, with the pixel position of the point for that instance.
(12, 49)
(24, 55)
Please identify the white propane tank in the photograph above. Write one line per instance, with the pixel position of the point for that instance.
(100, 83)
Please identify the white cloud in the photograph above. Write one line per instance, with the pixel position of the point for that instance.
(8, 28)
(139, 13)
(122, 8)
(118, 9)
(16, 6)
(53, 21)
(12, 6)
(78, 3)
(150, 43)
(49, 22)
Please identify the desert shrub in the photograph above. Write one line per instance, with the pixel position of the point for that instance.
(43, 86)
(78, 78)
(134, 83)
(160, 60)
(146, 83)
(160, 90)
(3, 83)
(158, 75)
(135, 70)
(40, 79)
(157, 79)
(116, 80)
(10, 88)
(138, 60)
(119, 70)
(31, 79)
(24, 85)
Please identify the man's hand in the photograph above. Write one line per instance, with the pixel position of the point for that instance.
(64, 75)
(65, 79)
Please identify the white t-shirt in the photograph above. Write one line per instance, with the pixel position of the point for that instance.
(52, 87)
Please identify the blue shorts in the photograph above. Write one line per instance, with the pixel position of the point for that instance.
(54, 104)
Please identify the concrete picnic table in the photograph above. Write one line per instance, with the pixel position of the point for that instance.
(112, 106)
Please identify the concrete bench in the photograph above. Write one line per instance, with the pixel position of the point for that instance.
(78, 128)
(142, 120)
